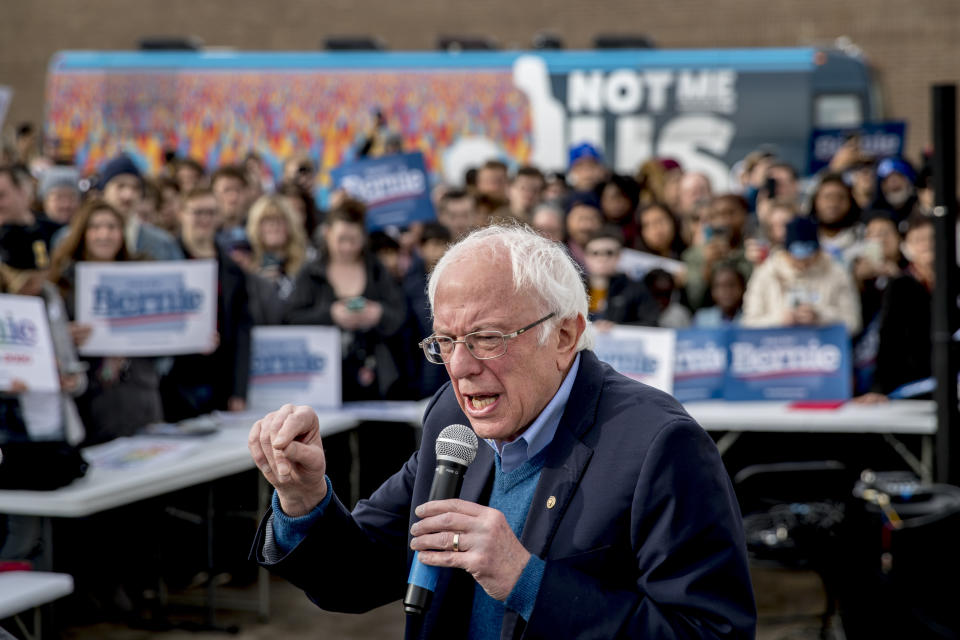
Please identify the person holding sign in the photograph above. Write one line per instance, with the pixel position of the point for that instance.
(123, 394)
(594, 507)
(27, 412)
(122, 187)
(200, 383)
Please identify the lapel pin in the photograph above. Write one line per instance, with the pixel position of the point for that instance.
(551, 502)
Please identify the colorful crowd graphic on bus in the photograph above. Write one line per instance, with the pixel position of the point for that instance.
(706, 108)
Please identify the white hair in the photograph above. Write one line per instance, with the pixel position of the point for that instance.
(541, 268)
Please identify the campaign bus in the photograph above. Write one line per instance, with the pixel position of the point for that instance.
(705, 108)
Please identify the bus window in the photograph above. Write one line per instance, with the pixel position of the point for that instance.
(837, 111)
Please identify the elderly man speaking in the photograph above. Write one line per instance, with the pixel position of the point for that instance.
(595, 508)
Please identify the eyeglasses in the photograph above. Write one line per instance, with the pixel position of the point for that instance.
(482, 345)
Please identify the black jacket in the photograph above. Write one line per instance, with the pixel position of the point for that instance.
(628, 302)
(225, 373)
(641, 534)
(426, 377)
(905, 327)
(310, 303)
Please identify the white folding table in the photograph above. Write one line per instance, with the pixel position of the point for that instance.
(22, 591)
(225, 452)
(889, 419)
(214, 456)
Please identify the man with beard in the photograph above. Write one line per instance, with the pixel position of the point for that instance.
(896, 192)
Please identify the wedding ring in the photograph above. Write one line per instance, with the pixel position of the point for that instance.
(456, 542)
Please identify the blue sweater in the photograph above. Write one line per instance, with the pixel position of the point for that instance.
(513, 491)
(512, 494)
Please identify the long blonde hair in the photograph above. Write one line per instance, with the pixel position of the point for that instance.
(295, 251)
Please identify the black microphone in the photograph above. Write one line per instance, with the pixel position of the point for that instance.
(456, 447)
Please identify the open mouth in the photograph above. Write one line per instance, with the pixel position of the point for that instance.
(481, 403)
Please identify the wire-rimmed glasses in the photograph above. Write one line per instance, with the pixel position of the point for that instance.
(482, 345)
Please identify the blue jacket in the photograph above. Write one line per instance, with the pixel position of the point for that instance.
(643, 539)
(152, 242)
(157, 244)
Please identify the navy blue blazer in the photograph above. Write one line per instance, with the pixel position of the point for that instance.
(633, 514)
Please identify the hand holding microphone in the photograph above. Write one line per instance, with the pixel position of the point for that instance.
(460, 534)
(455, 448)
(485, 545)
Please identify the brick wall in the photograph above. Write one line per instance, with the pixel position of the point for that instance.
(912, 45)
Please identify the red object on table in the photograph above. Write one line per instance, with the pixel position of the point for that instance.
(817, 405)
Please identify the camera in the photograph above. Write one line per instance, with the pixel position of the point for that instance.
(241, 244)
(714, 232)
(770, 186)
(356, 303)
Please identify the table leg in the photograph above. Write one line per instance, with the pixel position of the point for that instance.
(211, 586)
(45, 561)
(726, 441)
(918, 467)
(27, 634)
(926, 458)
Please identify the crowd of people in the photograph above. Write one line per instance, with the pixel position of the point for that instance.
(852, 245)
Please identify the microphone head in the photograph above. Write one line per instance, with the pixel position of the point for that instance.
(456, 443)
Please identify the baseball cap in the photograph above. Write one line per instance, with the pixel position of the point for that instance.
(895, 165)
(802, 240)
(584, 151)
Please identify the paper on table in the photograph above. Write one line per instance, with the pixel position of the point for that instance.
(139, 452)
(200, 426)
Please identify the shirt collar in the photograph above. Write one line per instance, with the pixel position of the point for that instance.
(132, 233)
(541, 431)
